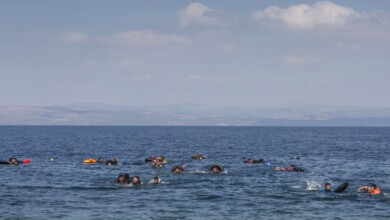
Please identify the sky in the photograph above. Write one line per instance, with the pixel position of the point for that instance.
(254, 53)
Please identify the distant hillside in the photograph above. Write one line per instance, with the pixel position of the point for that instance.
(193, 114)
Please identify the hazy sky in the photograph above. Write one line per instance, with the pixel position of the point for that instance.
(217, 53)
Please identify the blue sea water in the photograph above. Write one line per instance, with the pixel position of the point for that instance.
(68, 189)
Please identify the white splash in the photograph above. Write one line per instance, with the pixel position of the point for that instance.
(312, 185)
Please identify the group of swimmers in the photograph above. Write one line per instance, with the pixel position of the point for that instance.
(160, 161)
(372, 189)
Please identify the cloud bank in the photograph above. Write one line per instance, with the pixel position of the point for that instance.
(303, 16)
(198, 14)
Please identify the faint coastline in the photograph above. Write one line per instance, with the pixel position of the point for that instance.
(193, 114)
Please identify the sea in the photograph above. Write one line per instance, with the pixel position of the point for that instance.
(65, 188)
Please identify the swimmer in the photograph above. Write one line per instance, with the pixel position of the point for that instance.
(216, 169)
(156, 164)
(254, 161)
(161, 159)
(327, 188)
(155, 180)
(136, 180)
(13, 161)
(123, 178)
(178, 169)
(198, 156)
(291, 168)
(111, 162)
(100, 160)
(372, 189)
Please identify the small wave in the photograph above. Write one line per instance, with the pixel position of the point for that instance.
(206, 172)
(312, 185)
(200, 171)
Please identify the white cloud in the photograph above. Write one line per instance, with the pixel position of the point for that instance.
(147, 37)
(302, 16)
(71, 37)
(198, 14)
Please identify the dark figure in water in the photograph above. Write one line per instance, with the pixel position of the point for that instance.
(216, 169)
(254, 161)
(136, 181)
(327, 188)
(198, 156)
(123, 178)
(291, 168)
(155, 180)
(111, 162)
(178, 169)
(13, 161)
(160, 159)
(372, 189)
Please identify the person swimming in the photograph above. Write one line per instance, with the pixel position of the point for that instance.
(291, 168)
(254, 161)
(123, 178)
(327, 188)
(178, 169)
(155, 180)
(160, 159)
(112, 162)
(373, 189)
(136, 181)
(216, 168)
(198, 156)
(13, 161)
(157, 164)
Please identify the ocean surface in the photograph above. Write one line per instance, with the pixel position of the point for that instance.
(68, 189)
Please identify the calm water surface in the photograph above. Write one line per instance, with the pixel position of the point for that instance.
(67, 189)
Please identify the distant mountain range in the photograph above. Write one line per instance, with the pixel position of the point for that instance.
(194, 114)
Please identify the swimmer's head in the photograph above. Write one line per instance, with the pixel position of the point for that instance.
(291, 167)
(327, 186)
(216, 169)
(136, 180)
(177, 169)
(373, 186)
(123, 178)
(155, 180)
(160, 158)
(13, 160)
